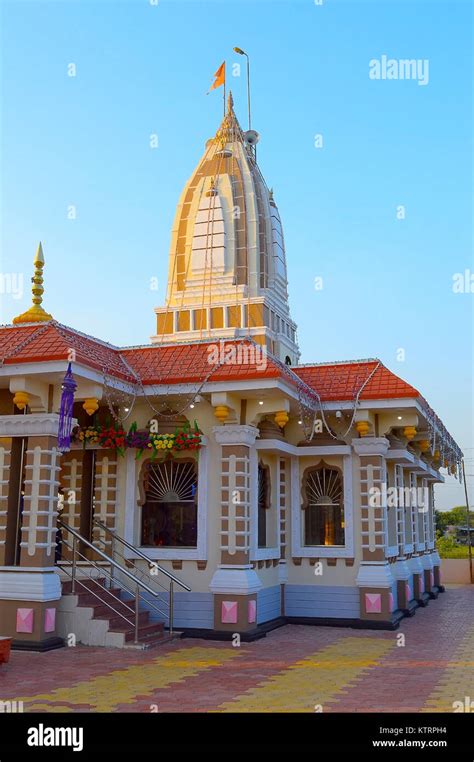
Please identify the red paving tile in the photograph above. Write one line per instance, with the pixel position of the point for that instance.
(403, 680)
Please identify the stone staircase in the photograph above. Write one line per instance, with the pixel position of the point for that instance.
(92, 617)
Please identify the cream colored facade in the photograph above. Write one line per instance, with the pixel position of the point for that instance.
(310, 508)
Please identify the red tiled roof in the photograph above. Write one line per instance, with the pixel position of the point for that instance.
(191, 363)
(342, 381)
(188, 363)
(52, 342)
(172, 364)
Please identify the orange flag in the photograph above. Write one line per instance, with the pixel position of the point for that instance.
(219, 77)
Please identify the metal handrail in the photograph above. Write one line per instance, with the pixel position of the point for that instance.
(114, 553)
(138, 583)
(104, 603)
(103, 570)
(140, 554)
(109, 546)
(109, 575)
(107, 558)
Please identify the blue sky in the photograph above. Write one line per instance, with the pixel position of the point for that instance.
(144, 68)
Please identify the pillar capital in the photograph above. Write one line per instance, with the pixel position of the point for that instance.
(32, 425)
(374, 575)
(371, 445)
(235, 434)
(239, 580)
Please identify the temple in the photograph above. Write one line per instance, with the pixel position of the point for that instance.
(207, 483)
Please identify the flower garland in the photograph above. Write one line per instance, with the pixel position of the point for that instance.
(86, 435)
(141, 440)
(182, 440)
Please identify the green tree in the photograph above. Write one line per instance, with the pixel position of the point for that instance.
(456, 516)
(447, 547)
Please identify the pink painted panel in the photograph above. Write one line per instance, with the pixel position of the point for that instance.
(229, 612)
(24, 620)
(252, 611)
(373, 603)
(50, 620)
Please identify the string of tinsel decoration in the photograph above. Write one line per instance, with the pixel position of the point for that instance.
(309, 401)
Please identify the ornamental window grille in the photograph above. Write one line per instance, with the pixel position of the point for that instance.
(169, 513)
(323, 506)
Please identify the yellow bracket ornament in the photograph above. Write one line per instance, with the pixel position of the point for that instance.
(409, 432)
(221, 412)
(363, 427)
(21, 400)
(282, 418)
(91, 405)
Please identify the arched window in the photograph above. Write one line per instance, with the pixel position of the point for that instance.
(263, 503)
(323, 504)
(169, 513)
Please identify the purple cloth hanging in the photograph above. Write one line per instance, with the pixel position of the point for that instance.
(68, 387)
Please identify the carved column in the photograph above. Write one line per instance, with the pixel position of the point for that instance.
(5, 459)
(414, 560)
(70, 479)
(425, 558)
(105, 496)
(374, 577)
(401, 569)
(40, 502)
(435, 559)
(235, 583)
(284, 488)
(29, 591)
(432, 561)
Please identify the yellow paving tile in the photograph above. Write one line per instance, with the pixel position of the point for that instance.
(51, 708)
(105, 692)
(315, 680)
(457, 682)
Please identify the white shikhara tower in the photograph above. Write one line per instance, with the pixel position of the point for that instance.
(227, 267)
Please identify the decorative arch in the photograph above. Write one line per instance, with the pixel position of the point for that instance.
(264, 502)
(323, 505)
(169, 498)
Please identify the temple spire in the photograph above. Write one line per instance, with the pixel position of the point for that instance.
(36, 313)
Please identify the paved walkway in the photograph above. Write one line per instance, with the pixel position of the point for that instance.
(293, 669)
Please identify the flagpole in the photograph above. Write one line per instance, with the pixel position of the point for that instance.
(224, 91)
(243, 53)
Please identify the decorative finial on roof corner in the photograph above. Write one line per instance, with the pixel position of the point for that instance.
(36, 313)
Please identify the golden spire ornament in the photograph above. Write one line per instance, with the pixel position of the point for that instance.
(36, 313)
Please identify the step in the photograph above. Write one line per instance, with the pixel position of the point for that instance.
(91, 596)
(150, 630)
(118, 624)
(82, 583)
(101, 596)
(103, 611)
(150, 642)
(150, 634)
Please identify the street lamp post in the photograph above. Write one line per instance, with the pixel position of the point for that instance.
(469, 540)
(243, 53)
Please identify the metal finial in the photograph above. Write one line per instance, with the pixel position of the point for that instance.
(36, 313)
